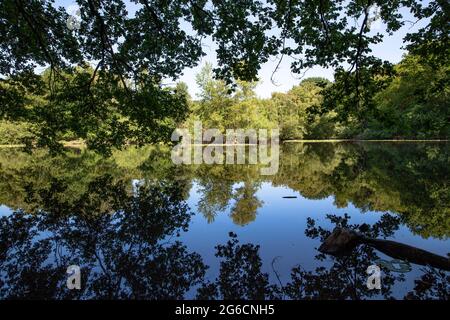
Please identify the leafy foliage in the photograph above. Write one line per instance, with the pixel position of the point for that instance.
(121, 98)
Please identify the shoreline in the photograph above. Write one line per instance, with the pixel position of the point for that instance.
(369, 140)
(74, 144)
(82, 144)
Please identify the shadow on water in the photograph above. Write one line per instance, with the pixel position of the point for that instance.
(120, 219)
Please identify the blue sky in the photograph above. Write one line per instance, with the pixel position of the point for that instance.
(390, 49)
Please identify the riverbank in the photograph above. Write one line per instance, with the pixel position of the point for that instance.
(68, 144)
(81, 144)
(368, 140)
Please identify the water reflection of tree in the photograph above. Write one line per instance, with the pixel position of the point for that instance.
(81, 210)
(215, 189)
(346, 278)
(336, 277)
(433, 284)
(219, 186)
(240, 275)
(247, 203)
(122, 242)
(407, 179)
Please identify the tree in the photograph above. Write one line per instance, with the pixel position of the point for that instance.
(415, 104)
(215, 99)
(122, 95)
(295, 111)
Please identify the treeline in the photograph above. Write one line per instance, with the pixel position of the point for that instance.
(120, 99)
(220, 107)
(413, 104)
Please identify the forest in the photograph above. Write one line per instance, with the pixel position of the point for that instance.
(409, 107)
(104, 81)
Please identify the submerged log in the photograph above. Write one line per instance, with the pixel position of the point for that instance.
(343, 240)
(340, 241)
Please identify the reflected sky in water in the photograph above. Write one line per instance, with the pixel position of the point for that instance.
(141, 227)
(279, 230)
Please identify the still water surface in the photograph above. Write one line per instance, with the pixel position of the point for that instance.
(142, 227)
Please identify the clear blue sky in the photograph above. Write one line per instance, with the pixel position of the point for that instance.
(390, 49)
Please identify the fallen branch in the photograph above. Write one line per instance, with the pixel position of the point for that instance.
(342, 241)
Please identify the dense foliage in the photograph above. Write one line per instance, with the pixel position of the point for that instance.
(414, 105)
(104, 82)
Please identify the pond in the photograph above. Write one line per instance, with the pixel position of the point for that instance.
(141, 227)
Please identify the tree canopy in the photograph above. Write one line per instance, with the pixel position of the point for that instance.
(104, 82)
